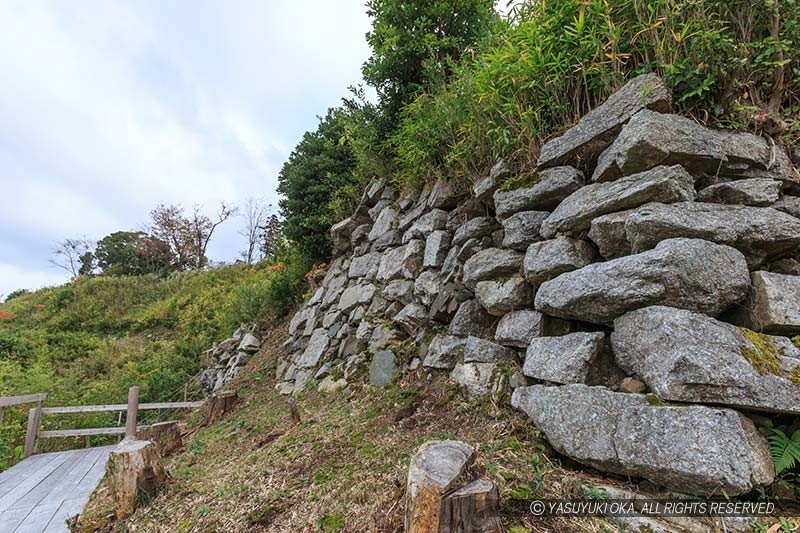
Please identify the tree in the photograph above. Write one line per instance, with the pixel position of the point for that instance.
(271, 236)
(414, 43)
(187, 237)
(202, 228)
(133, 253)
(256, 216)
(70, 254)
(318, 169)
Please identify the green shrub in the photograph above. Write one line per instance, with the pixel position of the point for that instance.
(554, 61)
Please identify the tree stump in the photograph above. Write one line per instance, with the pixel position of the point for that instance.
(221, 404)
(165, 435)
(443, 494)
(135, 473)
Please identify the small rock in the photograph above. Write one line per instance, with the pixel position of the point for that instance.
(548, 259)
(411, 318)
(444, 352)
(491, 263)
(477, 378)
(522, 229)
(754, 192)
(501, 297)
(386, 219)
(564, 359)
(478, 350)
(551, 187)
(519, 328)
(632, 386)
(436, 247)
(774, 304)
(472, 319)
(382, 369)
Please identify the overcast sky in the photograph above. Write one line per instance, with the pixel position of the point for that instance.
(108, 108)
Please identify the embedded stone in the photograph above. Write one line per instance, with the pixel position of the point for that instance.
(548, 259)
(660, 184)
(563, 359)
(477, 350)
(519, 328)
(758, 192)
(491, 263)
(522, 229)
(436, 248)
(687, 273)
(501, 297)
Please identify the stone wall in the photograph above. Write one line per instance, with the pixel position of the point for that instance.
(624, 264)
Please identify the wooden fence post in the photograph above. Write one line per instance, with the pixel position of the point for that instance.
(132, 413)
(34, 422)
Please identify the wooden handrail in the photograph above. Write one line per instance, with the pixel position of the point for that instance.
(131, 409)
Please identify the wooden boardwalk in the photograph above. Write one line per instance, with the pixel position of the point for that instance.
(43, 491)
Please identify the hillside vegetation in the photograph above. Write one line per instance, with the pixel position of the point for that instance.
(87, 341)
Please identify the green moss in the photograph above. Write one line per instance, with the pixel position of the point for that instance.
(653, 400)
(526, 179)
(794, 376)
(796, 341)
(762, 353)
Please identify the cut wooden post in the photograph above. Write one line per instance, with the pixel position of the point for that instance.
(32, 434)
(135, 473)
(220, 404)
(166, 436)
(443, 496)
(132, 413)
(1, 419)
(295, 412)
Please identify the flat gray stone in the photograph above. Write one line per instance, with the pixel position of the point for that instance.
(551, 187)
(355, 296)
(608, 233)
(564, 359)
(521, 229)
(774, 304)
(695, 450)
(436, 247)
(316, 347)
(501, 297)
(427, 286)
(365, 266)
(478, 379)
(412, 317)
(760, 233)
(689, 357)
(686, 273)
(385, 221)
(519, 328)
(492, 263)
(474, 228)
(392, 263)
(548, 259)
(399, 290)
(472, 319)
(444, 351)
(598, 128)
(477, 350)
(382, 369)
(650, 139)
(660, 184)
(413, 258)
(425, 224)
(249, 344)
(789, 205)
(758, 192)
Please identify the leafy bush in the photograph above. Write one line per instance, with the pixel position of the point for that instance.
(554, 61)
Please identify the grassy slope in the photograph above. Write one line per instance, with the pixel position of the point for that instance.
(86, 342)
(343, 468)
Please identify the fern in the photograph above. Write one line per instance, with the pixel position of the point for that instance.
(785, 450)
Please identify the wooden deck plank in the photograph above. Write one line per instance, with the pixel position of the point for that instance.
(9, 520)
(38, 518)
(45, 490)
(52, 482)
(29, 483)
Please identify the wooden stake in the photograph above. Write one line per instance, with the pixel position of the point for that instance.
(132, 413)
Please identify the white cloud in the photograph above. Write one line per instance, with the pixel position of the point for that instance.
(13, 277)
(107, 109)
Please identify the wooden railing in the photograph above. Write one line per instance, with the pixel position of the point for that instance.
(132, 408)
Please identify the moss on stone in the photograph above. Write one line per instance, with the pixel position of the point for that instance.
(526, 179)
(796, 341)
(762, 353)
(794, 376)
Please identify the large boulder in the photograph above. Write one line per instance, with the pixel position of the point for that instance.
(687, 273)
(491, 263)
(383, 368)
(758, 192)
(551, 187)
(564, 359)
(690, 357)
(760, 233)
(661, 184)
(546, 260)
(501, 297)
(521, 229)
(597, 130)
(519, 328)
(774, 304)
(696, 449)
(652, 139)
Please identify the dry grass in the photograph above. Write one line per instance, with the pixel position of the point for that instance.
(343, 467)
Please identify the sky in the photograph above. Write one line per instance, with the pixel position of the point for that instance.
(110, 107)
